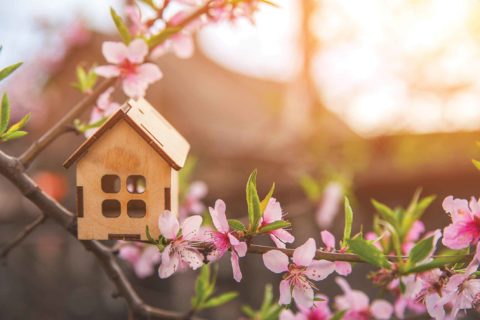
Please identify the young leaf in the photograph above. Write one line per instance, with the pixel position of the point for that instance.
(201, 286)
(121, 27)
(386, 213)
(14, 135)
(270, 3)
(347, 231)
(267, 299)
(435, 263)
(19, 125)
(339, 315)
(5, 72)
(236, 225)
(253, 202)
(163, 35)
(267, 198)
(4, 114)
(421, 250)
(219, 300)
(279, 224)
(368, 252)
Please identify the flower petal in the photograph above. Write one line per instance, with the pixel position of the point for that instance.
(107, 71)
(237, 273)
(168, 224)
(273, 211)
(137, 50)
(183, 46)
(167, 268)
(381, 309)
(304, 254)
(192, 257)
(149, 73)
(303, 296)
(343, 268)
(328, 239)
(275, 261)
(134, 87)
(114, 52)
(218, 216)
(285, 292)
(320, 269)
(190, 227)
(241, 249)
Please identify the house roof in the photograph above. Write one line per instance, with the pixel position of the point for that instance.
(150, 125)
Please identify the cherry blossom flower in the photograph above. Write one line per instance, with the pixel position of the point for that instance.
(142, 258)
(104, 108)
(431, 286)
(465, 227)
(299, 273)
(358, 305)
(179, 252)
(329, 206)
(406, 299)
(272, 213)
(225, 239)
(136, 26)
(181, 43)
(341, 267)
(192, 203)
(412, 236)
(128, 64)
(319, 311)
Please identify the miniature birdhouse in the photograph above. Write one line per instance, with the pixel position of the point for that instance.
(127, 174)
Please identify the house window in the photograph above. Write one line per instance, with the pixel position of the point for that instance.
(111, 208)
(136, 209)
(136, 184)
(111, 183)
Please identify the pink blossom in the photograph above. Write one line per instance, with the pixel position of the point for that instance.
(328, 208)
(181, 43)
(180, 251)
(341, 267)
(465, 227)
(104, 108)
(225, 239)
(319, 311)
(431, 286)
(358, 305)
(406, 300)
(192, 203)
(272, 213)
(136, 26)
(128, 64)
(142, 258)
(299, 273)
(412, 236)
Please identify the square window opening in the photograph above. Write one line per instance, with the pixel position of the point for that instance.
(136, 209)
(111, 183)
(111, 208)
(136, 184)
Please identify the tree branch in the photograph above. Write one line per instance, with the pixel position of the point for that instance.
(22, 235)
(13, 170)
(46, 139)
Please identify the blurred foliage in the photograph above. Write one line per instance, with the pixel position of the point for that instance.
(269, 310)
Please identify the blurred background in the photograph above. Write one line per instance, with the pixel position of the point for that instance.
(370, 98)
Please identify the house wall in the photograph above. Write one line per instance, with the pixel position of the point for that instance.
(121, 151)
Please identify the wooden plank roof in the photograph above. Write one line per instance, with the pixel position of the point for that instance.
(150, 125)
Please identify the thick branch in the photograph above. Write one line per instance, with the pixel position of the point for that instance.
(13, 170)
(22, 235)
(46, 139)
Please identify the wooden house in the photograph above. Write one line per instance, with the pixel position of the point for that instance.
(127, 174)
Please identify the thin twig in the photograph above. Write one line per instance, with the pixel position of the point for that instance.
(46, 139)
(22, 235)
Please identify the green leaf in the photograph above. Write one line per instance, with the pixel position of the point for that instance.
(149, 236)
(121, 27)
(163, 35)
(236, 225)
(14, 135)
(253, 202)
(385, 212)
(267, 299)
(279, 224)
(368, 252)
(311, 187)
(421, 250)
(201, 286)
(347, 231)
(422, 206)
(248, 311)
(435, 263)
(476, 163)
(270, 3)
(4, 114)
(339, 315)
(219, 300)
(19, 125)
(267, 198)
(5, 72)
